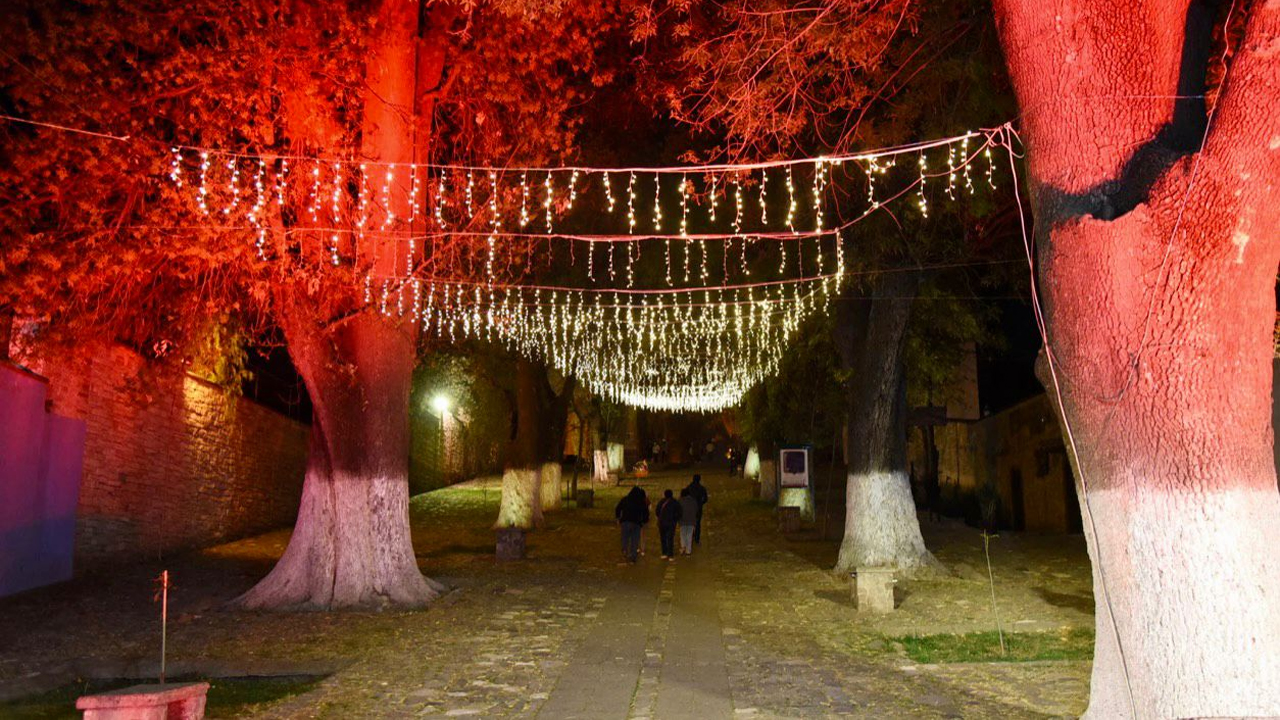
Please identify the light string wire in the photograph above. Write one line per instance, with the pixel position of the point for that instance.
(888, 151)
(862, 156)
(1008, 137)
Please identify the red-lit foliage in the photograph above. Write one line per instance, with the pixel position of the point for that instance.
(97, 247)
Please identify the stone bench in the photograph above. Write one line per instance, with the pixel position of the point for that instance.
(179, 701)
(873, 589)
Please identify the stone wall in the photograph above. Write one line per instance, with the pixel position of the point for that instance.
(171, 461)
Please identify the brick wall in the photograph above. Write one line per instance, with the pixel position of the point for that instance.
(171, 462)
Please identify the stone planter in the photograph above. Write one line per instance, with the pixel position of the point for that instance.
(586, 498)
(180, 701)
(510, 544)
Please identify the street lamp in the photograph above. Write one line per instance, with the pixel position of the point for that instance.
(440, 403)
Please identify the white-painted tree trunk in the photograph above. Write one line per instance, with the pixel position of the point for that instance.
(881, 527)
(552, 489)
(600, 468)
(349, 549)
(1195, 603)
(521, 503)
(751, 468)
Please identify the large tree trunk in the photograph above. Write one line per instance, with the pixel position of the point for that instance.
(521, 502)
(881, 526)
(1157, 265)
(539, 416)
(351, 545)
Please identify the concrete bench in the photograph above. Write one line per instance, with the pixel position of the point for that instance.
(178, 701)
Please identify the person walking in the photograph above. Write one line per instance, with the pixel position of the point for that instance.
(632, 512)
(669, 513)
(688, 520)
(699, 493)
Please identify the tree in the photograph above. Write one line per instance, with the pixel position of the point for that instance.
(829, 77)
(1156, 228)
(531, 475)
(881, 527)
(107, 250)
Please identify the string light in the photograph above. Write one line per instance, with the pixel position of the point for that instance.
(791, 202)
(442, 187)
(282, 183)
(682, 348)
(524, 199)
(573, 189)
(764, 206)
(233, 186)
(964, 153)
(739, 203)
(175, 167)
(259, 191)
(546, 201)
(415, 190)
(631, 204)
(657, 202)
(951, 172)
(334, 210)
(713, 198)
(608, 193)
(389, 215)
(362, 201)
(688, 350)
(684, 207)
(923, 201)
(471, 184)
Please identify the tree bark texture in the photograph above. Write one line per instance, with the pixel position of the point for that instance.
(351, 546)
(769, 480)
(881, 525)
(550, 479)
(1157, 263)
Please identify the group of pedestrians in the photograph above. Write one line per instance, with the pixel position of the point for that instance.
(685, 513)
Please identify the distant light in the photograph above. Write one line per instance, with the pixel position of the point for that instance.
(440, 403)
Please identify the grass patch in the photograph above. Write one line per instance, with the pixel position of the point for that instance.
(228, 697)
(1071, 644)
(454, 501)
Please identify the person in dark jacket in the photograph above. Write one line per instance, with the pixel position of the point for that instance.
(699, 493)
(668, 512)
(632, 512)
(688, 521)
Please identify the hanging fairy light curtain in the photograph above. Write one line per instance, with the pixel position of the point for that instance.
(745, 252)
